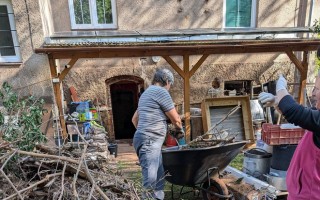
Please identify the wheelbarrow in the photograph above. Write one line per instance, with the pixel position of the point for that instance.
(199, 168)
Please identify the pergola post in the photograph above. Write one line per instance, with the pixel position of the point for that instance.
(186, 74)
(186, 90)
(303, 77)
(57, 93)
(303, 69)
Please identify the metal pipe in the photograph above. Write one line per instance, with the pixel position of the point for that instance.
(310, 16)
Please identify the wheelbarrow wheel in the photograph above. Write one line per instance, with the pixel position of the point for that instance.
(216, 186)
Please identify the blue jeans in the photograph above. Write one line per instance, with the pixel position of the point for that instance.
(148, 150)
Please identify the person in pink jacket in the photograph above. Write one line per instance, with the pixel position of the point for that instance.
(303, 175)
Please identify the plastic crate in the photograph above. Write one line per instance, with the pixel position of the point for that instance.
(274, 135)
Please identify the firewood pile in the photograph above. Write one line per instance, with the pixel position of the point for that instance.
(79, 170)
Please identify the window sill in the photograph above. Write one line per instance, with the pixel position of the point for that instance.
(11, 64)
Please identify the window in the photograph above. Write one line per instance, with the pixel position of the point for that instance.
(239, 13)
(9, 48)
(93, 14)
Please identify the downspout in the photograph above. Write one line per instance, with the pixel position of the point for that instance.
(310, 16)
(308, 36)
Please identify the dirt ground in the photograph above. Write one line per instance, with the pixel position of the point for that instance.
(127, 158)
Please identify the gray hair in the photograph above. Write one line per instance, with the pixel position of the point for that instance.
(162, 76)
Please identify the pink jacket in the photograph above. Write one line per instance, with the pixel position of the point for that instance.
(303, 176)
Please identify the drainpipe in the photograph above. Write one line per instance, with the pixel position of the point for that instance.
(310, 15)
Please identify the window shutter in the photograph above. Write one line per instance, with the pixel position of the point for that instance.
(231, 13)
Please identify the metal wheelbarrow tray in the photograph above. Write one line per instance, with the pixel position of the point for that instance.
(190, 167)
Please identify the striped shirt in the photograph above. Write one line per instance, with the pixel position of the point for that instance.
(153, 104)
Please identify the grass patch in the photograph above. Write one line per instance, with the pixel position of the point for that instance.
(136, 177)
(237, 162)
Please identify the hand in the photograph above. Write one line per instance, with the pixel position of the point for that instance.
(178, 133)
(281, 83)
(267, 99)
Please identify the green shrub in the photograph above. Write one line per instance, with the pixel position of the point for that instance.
(21, 126)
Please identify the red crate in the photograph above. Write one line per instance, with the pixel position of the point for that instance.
(274, 135)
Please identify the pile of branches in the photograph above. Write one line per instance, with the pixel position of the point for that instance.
(76, 171)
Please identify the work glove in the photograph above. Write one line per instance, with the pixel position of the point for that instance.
(267, 99)
(281, 83)
(178, 133)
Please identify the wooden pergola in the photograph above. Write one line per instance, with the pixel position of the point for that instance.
(168, 49)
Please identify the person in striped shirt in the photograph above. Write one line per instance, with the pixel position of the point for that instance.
(155, 107)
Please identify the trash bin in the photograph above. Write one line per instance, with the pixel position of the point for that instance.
(113, 148)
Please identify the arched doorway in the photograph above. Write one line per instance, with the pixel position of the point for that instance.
(124, 92)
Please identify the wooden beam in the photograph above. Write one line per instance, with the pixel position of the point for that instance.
(198, 64)
(68, 68)
(58, 96)
(303, 78)
(181, 48)
(53, 68)
(174, 66)
(186, 66)
(170, 51)
(295, 61)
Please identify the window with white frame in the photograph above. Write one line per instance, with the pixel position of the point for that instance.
(239, 13)
(93, 14)
(9, 47)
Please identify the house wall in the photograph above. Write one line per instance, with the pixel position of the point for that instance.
(32, 75)
(182, 14)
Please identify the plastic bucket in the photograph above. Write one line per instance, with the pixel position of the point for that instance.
(170, 141)
(257, 162)
(113, 148)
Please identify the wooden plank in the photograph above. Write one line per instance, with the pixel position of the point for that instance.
(198, 64)
(174, 65)
(187, 96)
(215, 109)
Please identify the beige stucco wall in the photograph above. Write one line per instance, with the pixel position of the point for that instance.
(32, 76)
(184, 14)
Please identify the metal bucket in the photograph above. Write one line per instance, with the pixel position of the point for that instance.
(277, 178)
(257, 163)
